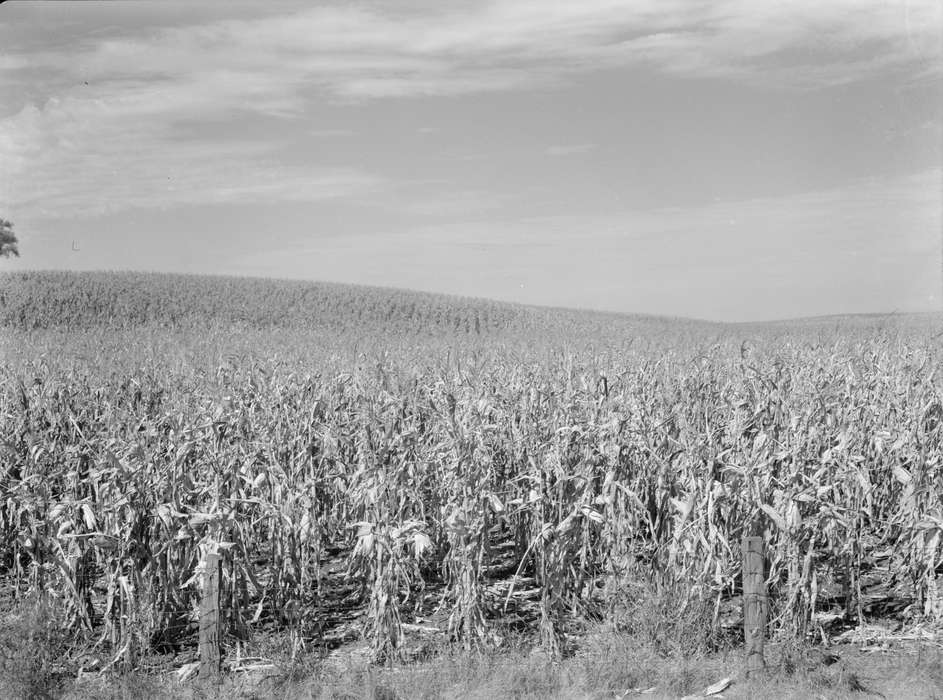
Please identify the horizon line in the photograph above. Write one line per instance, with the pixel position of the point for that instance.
(550, 307)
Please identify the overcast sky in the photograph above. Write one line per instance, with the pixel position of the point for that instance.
(731, 159)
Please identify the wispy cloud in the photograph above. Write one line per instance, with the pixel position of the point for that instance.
(352, 51)
(117, 143)
(360, 52)
(330, 133)
(97, 126)
(570, 149)
(464, 204)
(81, 156)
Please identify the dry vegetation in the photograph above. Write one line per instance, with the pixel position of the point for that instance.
(404, 468)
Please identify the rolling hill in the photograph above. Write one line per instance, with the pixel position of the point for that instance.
(65, 301)
(77, 300)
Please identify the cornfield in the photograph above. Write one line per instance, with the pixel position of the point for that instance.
(475, 485)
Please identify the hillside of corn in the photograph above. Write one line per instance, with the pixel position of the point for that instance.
(78, 300)
(365, 479)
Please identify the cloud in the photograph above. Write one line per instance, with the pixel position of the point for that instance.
(352, 51)
(13, 63)
(570, 150)
(330, 133)
(802, 45)
(467, 204)
(97, 123)
(80, 156)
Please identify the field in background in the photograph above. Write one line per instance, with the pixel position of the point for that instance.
(411, 471)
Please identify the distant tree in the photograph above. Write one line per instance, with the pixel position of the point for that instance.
(8, 242)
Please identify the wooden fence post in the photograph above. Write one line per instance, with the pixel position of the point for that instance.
(209, 619)
(755, 605)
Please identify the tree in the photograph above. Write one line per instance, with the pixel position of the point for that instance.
(8, 242)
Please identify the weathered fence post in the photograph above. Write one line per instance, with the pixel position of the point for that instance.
(755, 605)
(209, 618)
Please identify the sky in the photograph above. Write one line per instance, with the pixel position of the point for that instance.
(726, 159)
